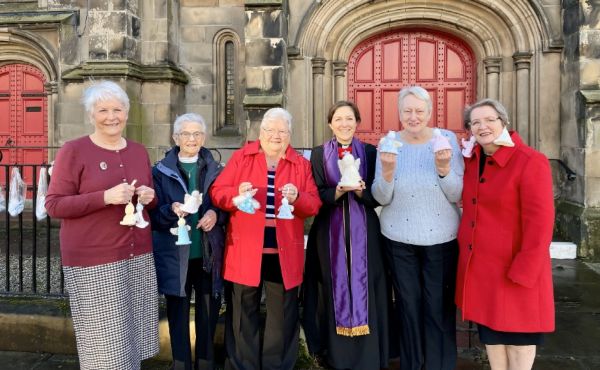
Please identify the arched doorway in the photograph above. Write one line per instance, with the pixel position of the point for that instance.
(381, 65)
(24, 119)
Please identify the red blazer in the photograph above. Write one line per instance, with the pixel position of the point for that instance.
(504, 278)
(245, 233)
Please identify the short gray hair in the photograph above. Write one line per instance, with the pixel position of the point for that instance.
(103, 90)
(277, 113)
(418, 92)
(498, 107)
(188, 117)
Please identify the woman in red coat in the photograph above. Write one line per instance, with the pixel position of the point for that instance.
(262, 248)
(504, 281)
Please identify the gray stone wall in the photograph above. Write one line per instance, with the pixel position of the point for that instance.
(266, 60)
(200, 22)
(578, 211)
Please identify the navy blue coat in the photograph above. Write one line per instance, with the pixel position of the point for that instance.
(170, 185)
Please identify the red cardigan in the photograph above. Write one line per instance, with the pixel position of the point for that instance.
(504, 278)
(90, 232)
(245, 232)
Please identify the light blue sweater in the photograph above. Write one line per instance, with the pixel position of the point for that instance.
(419, 207)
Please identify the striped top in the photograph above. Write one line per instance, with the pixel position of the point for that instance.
(270, 241)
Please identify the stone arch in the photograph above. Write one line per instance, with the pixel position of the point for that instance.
(506, 37)
(24, 47)
(220, 40)
(335, 27)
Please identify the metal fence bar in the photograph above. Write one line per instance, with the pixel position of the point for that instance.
(21, 237)
(34, 232)
(7, 218)
(28, 243)
(48, 266)
(17, 251)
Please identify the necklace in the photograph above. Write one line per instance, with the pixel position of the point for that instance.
(272, 163)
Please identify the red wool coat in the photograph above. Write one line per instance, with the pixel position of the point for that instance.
(504, 278)
(245, 233)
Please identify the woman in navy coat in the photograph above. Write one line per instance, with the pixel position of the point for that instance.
(196, 266)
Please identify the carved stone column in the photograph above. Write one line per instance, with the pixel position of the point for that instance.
(318, 69)
(522, 62)
(339, 74)
(492, 76)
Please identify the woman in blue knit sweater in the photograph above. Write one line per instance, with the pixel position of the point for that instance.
(418, 190)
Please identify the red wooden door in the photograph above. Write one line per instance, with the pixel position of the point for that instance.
(380, 66)
(23, 117)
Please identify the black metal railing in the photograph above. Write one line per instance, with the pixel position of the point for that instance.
(30, 248)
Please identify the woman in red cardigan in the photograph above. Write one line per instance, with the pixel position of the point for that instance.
(106, 251)
(262, 248)
(504, 280)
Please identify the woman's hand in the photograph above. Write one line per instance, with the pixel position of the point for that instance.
(290, 191)
(119, 194)
(208, 221)
(388, 165)
(145, 194)
(176, 208)
(246, 187)
(359, 191)
(341, 190)
(442, 162)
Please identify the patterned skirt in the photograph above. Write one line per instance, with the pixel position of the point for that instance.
(115, 312)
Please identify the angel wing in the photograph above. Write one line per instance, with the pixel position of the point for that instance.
(357, 164)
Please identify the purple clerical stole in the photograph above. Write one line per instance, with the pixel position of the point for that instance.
(350, 287)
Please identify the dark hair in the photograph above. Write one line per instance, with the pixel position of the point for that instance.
(343, 103)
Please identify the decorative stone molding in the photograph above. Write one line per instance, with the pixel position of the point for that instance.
(65, 17)
(339, 75)
(492, 66)
(51, 87)
(261, 101)
(339, 68)
(318, 65)
(293, 53)
(590, 96)
(255, 3)
(126, 69)
(522, 59)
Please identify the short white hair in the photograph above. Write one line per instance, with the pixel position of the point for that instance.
(188, 117)
(277, 113)
(418, 92)
(103, 90)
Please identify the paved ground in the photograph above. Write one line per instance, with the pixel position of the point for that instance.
(574, 345)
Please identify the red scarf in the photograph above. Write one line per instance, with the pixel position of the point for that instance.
(342, 151)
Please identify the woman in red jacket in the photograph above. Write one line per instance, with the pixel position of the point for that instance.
(262, 248)
(504, 281)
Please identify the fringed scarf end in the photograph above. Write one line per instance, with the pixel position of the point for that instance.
(353, 332)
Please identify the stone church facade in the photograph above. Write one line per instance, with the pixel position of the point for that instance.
(230, 60)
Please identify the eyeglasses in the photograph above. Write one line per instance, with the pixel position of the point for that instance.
(187, 135)
(487, 120)
(271, 132)
(420, 113)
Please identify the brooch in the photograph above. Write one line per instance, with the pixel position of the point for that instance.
(103, 166)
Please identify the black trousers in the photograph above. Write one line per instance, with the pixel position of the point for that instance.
(424, 279)
(279, 347)
(207, 314)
